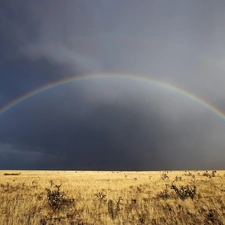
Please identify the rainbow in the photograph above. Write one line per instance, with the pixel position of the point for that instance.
(64, 81)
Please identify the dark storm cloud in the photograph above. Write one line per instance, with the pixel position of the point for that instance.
(129, 131)
(115, 124)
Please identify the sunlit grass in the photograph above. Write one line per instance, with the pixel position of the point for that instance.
(112, 197)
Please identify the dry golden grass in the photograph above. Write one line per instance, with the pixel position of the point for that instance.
(147, 198)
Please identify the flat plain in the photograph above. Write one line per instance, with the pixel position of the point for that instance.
(123, 197)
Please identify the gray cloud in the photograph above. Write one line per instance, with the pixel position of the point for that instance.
(135, 129)
(14, 156)
(114, 123)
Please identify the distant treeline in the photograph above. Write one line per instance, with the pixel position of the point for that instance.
(12, 174)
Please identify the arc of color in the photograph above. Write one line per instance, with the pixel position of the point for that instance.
(121, 76)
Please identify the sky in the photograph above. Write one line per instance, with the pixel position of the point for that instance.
(112, 122)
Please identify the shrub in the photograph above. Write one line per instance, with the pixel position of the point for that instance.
(114, 210)
(56, 198)
(184, 191)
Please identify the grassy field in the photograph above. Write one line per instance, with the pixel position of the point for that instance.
(85, 198)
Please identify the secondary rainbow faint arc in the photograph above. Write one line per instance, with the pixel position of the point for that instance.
(162, 84)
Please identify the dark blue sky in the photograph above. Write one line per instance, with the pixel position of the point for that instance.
(112, 124)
